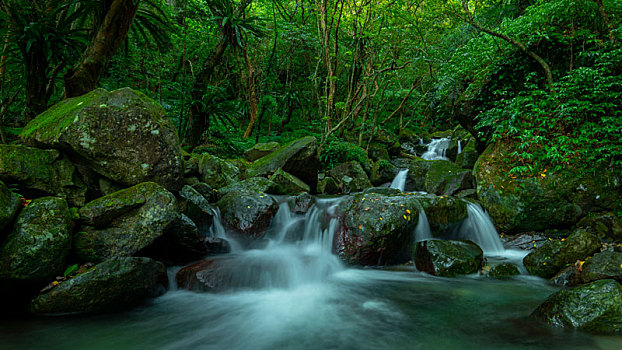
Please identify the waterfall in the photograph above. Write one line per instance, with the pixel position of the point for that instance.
(437, 149)
(399, 182)
(459, 147)
(479, 228)
(422, 231)
(218, 230)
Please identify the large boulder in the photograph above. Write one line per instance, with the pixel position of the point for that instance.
(298, 158)
(37, 248)
(247, 213)
(288, 183)
(122, 135)
(443, 212)
(446, 178)
(551, 257)
(382, 172)
(112, 285)
(417, 172)
(124, 222)
(350, 177)
(604, 225)
(376, 229)
(448, 258)
(9, 206)
(217, 172)
(549, 200)
(260, 150)
(468, 157)
(604, 265)
(594, 307)
(252, 184)
(41, 172)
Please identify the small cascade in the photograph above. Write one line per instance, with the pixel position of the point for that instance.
(218, 230)
(399, 182)
(422, 231)
(479, 228)
(459, 147)
(437, 150)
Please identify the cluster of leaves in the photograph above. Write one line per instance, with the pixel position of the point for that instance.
(336, 152)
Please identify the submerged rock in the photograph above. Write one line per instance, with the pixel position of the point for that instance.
(551, 257)
(448, 258)
(594, 307)
(124, 222)
(37, 248)
(122, 135)
(376, 229)
(41, 172)
(202, 276)
(247, 213)
(112, 285)
(350, 177)
(504, 270)
(9, 206)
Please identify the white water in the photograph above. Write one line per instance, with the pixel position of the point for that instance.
(479, 228)
(422, 231)
(399, 182)
(459, 147)
(437, 150)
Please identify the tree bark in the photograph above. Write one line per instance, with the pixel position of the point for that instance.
(109, 37)
(252, 94)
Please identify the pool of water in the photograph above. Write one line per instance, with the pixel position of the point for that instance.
(352, 309)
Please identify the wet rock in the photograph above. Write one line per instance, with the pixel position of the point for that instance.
(604, 225)
(123, 135)
(446, 178)
(568, 277)
(253, 184)
(247, 213)
(301, 203)
(551, 257)
(217, 245)
(526, 241)
(504, 270)
(112, 285)
(181, 243)
(387, 191)
(594, 307)
(382, 172)
(443, 212)
(376, 229)
(448, 258)
(124, 222)
(9, 206)
(417, 172)
(468, 157)
(41, 173)
(328, 185)
(203, 276)
(197, 208)
(37, 248)
(217, 172)
(604, 265)
(260, 150)
(298, 158)
(206, 191)
(288, 183)
(350, 177)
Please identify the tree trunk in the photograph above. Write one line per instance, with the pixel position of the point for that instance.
(110, 35)
(252, 95)
(37, 96)
(605, 16)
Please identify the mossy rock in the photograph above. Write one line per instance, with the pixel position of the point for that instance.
(468, 157)
(504, 270)
(350, 177)
(448, 258)
(260, 150)
(551, 257)
(446, 178)
(9, 206)
(376, 229)
(443, 212)
(252, 184)
(37, 248)
(595, 307)
(217, 172)
(113, 285)
(298, 158)
(41, 173)
(604, 225)
(289, 184)
(382, 172)
(247, 213)
(124, 222)
(549, 200)
(604, 265)
(417, 172)
(328, 185)
(122, 135)
(377, 152)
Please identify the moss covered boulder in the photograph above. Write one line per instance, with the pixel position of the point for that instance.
(604, 225)
(328, 185)
(9, 206)
(350, 177)
(468, 157)
(446, 178)
(376, 229)
(443, 212)
(604, 265)
(124, 222)
(122, 135)
(113, 285)
(548, 200)
(448, 258)
(260, 150)
(551, 257)
(252, 184)
(289, 183)
(382, 172)
(41, 172)
(298, 158)
(217, 172)
(247, 213)
(504, 270)
(594, 307)
(37, 248)
(417, 172)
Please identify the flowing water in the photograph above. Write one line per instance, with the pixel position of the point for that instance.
(437, 149)
(295, 294)
(399, 182)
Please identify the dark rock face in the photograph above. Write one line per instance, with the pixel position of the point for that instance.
(260, 150)
(41, 172)
(122, 135)
(37, 248)
(504, 270)
(594, 307)
(551, 257)
(114, 284)
(328, 185)
(124, 222)
(197, 208)
(247, 213)
(180, 244)
(298, 158)
(448, 258)
(9, 206)
(417, 172)
(350, 177)
(376, 229)
(570, 276)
